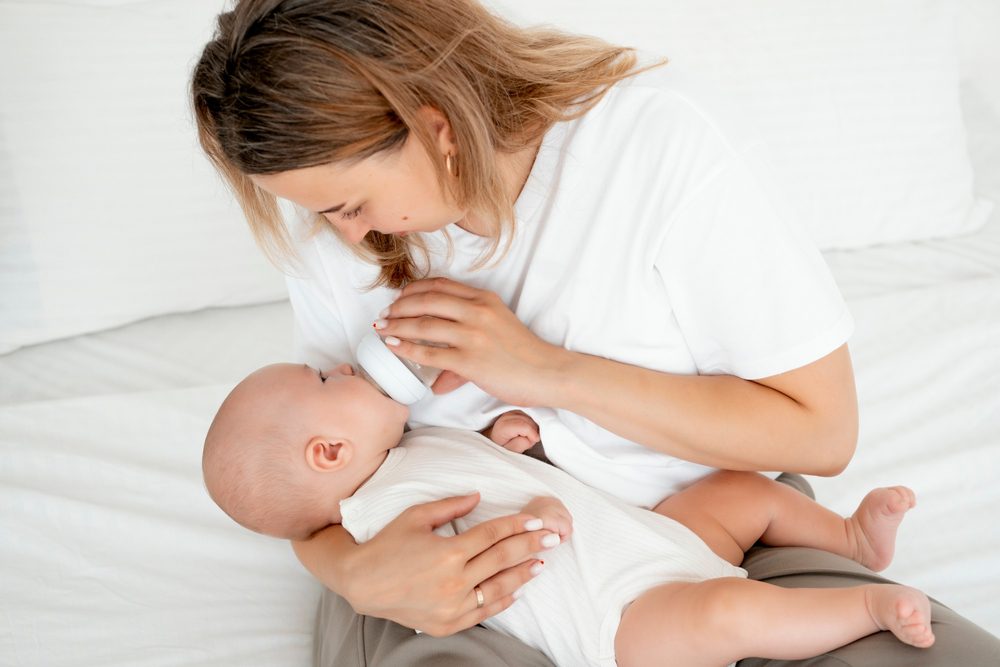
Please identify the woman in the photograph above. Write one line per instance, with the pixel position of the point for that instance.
(612, 248)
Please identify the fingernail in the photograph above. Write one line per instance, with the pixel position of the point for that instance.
(537, 568)
(533, 524)
(385, 313)
(380, 324)
(550, 540)
(516, 594)
(391, 340)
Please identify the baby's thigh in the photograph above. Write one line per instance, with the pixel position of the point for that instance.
(678, 624)
(728, 510)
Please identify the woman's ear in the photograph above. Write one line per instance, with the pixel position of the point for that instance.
(328, 455)
(439, 128)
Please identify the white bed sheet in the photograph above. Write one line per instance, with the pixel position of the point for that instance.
(111, 553)
(927, 362)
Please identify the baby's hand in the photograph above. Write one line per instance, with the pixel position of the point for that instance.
(515, 431)
(554, 515)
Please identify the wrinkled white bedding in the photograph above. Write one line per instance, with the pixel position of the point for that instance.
(111, 553)
(927, 361)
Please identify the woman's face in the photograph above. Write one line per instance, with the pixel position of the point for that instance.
(393, 193)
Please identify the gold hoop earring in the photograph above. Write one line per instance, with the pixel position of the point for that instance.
(450, 165)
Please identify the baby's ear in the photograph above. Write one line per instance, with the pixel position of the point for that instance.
(327, 455)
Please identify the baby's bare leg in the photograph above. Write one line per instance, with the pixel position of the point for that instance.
(732, 510)
(720, 621)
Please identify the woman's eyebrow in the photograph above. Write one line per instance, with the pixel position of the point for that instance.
(333, 209)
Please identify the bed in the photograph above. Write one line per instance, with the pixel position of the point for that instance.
(121, 342)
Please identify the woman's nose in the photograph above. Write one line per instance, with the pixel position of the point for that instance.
(355, 233)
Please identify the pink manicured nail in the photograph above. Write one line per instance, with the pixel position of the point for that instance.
(385, 313)
(392, 340)
(381, 324)
(533, 524)
(536, 569)
(516, 594)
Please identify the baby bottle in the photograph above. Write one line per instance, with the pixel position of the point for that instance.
(402, 380)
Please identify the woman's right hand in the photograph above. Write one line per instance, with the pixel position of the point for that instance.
(410, 575)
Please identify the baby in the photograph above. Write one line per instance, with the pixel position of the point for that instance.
(293, 449)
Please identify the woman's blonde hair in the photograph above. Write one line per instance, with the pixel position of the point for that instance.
(288, 84)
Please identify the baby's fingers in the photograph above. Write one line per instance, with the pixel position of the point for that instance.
(519, 444)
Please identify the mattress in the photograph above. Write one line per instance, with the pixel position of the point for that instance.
(111, 552)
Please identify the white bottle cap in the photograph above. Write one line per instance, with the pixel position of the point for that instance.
(388, 370)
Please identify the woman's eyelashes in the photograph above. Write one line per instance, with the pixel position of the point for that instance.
(348, 215)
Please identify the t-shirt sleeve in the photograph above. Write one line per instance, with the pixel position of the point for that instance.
(751, 293)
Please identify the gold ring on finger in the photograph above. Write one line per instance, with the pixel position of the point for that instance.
(480, 598)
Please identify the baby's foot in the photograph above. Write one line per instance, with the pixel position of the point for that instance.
(903, 611)
(872, 528)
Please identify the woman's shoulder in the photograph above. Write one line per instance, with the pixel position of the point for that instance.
(667, 102)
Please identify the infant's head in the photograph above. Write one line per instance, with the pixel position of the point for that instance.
(289, 443)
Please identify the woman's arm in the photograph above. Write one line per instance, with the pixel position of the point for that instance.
(327, 556)
(432, 588)
(802, 421)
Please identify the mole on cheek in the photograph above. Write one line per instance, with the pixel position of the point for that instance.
(406, 217)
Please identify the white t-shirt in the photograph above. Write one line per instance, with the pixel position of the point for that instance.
(649, 232)
(572, 610)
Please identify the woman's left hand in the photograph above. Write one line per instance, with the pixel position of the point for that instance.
(486, 343)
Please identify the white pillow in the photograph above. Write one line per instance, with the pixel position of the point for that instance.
(979, 47)
(857, 99)
(109, 213)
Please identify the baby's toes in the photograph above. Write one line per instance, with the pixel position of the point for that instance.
(919, 635)
(902, 499)
(914, 625)
(925, 640)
